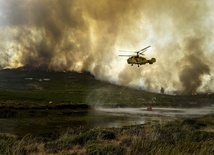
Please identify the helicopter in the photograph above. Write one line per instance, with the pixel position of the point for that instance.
(137, 59)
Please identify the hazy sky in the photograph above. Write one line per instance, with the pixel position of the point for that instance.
(85, 35)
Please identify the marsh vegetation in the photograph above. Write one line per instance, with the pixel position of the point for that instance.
(187, 136)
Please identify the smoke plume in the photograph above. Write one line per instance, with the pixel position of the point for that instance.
(85, 35)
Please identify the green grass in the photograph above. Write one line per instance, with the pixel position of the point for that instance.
(76, 88)
(189, 136)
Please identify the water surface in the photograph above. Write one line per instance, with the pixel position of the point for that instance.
(55, 121)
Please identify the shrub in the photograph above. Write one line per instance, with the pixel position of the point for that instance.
(126, 142)
(193, 123)
(66, 141)
(106, 135)
(60, 144)
(104, 149)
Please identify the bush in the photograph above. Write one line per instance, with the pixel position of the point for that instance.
(193, 123)
(66, 141)
(200, 136)
(107, 135)
(104, 149)
(126, 142)
(7, 113)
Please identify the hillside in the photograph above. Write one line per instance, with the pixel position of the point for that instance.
(27, 87)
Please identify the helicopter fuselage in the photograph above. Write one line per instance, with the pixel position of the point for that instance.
(138, 60)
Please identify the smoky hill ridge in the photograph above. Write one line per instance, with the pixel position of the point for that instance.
(27, 87)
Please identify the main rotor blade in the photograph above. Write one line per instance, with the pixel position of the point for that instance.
(125, 55)
(137, 51)
(144, 49)
(125, 51)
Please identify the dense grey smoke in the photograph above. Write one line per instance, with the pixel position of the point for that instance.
(193, 66)
(85, 35)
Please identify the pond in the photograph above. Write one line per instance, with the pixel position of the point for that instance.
(41, 123)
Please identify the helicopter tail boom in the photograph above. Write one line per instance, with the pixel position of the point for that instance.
(152, 60)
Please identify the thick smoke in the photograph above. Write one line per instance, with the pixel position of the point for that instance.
(85, 35)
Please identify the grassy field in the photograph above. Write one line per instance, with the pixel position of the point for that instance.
(188, 136)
